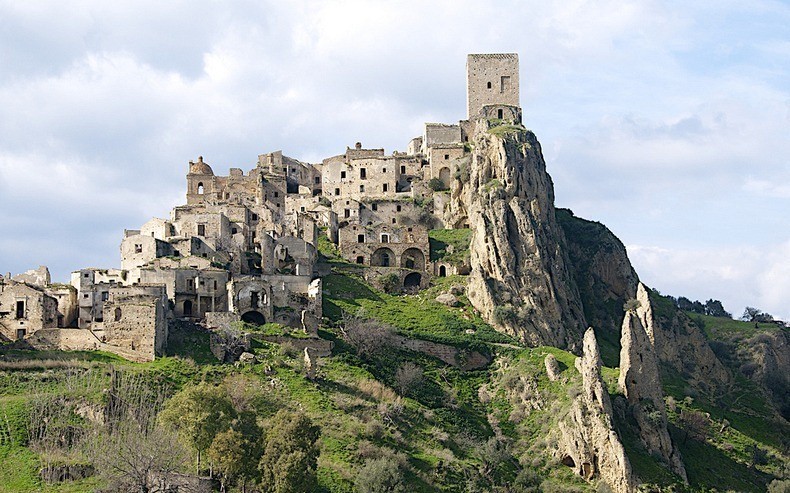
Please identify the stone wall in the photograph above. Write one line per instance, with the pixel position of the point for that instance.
(491, 79)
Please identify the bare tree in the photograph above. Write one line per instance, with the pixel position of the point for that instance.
(408, 377)
(368, 337)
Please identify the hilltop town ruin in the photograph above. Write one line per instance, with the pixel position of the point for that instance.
(244, 246)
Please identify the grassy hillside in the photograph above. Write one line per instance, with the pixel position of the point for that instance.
(445, 429)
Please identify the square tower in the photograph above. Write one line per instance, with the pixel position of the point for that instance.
(491, 79)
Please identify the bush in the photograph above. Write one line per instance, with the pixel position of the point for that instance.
(504, 314)
(390, 283)
(380, 476)
(436, 185)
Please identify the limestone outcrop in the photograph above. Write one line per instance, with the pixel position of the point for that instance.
(520, 281)
(680, 345)
(641, 384)
(603, 274)
(588, 440)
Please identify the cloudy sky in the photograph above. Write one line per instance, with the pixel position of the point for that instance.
(667, 122)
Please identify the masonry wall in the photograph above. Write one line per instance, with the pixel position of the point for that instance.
(491, 79)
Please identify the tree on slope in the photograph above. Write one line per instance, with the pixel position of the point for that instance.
(290, 454)
(198, 413)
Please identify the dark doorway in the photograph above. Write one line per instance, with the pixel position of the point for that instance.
(412, 280)
(442, 271)
(20, 309)
(253, 317)
(20, 333)
(187, 308)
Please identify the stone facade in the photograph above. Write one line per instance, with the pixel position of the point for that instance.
(492, 79)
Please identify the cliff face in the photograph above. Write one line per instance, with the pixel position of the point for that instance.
(604, 276)
(679, 344)
(520, 279)
(588, 440)
(640, 383)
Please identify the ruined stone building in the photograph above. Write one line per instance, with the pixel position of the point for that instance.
(243, 246)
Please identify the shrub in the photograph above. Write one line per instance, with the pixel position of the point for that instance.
(436, 185)
(505, 314)
(390, 283)
(380, 476)
(631, 305)
(408, 377)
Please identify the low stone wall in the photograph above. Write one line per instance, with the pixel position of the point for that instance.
(320, 347)
(465, 360)
(80, 340)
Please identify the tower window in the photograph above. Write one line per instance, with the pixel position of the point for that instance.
(403, 170)
(201, 230)
(200, 188)
(384, 188)
(363, 173)
(360, 238)
(489, 85)
(342, 175)
(499, 113)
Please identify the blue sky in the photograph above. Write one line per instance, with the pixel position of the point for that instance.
(668, 122)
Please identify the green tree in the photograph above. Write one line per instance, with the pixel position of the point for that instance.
(290, 454)
(380, 476)
(198, 413)
(236, 451)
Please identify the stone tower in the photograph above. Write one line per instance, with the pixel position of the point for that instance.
(491, 79)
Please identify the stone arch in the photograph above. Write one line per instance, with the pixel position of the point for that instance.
(413, 258)
(442, 271)
(253, 317)
(383, 257)
(200, 188)
(412, 280)
(187, 308)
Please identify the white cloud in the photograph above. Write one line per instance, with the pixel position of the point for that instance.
(738, 276)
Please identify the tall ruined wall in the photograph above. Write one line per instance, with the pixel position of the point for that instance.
(520, 279)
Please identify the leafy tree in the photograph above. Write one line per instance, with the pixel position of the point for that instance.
(714, 308)
(290, 454)
(752, 314)
(380, 476)
(695, 424)
(198, 413)
(685, 304)
(236, 451)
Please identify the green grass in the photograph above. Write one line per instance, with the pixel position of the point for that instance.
(457, 240)
(417, 316)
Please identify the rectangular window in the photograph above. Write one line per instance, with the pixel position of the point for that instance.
(215, 285)
(276, 194)
(20, 309)
(362, 188)
(363, 173)
(360, 238)
(337, 191)
(342, 175)
(20, 333)
(105, 295)
(375, 207)
(254, 299)
(446, 157)
(360, 259)
(398, 208)
(190, 284)
(317, 180)
(383, 170)
(255, 217)
(302, 209)
(403, 170)
(384, 188)
(393, 220)
(347, 213)
(201, 230)
(504, 83)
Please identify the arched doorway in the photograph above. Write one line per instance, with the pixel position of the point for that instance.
(413, 258)
(187, 308)
(383, 257)
(412, 280)
(253, 317)
(442, 271)
(444, 175)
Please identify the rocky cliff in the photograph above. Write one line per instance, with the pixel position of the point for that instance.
(640, 383)
(589, 442)
(604, 276)
(520, 279)
(679, 344)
